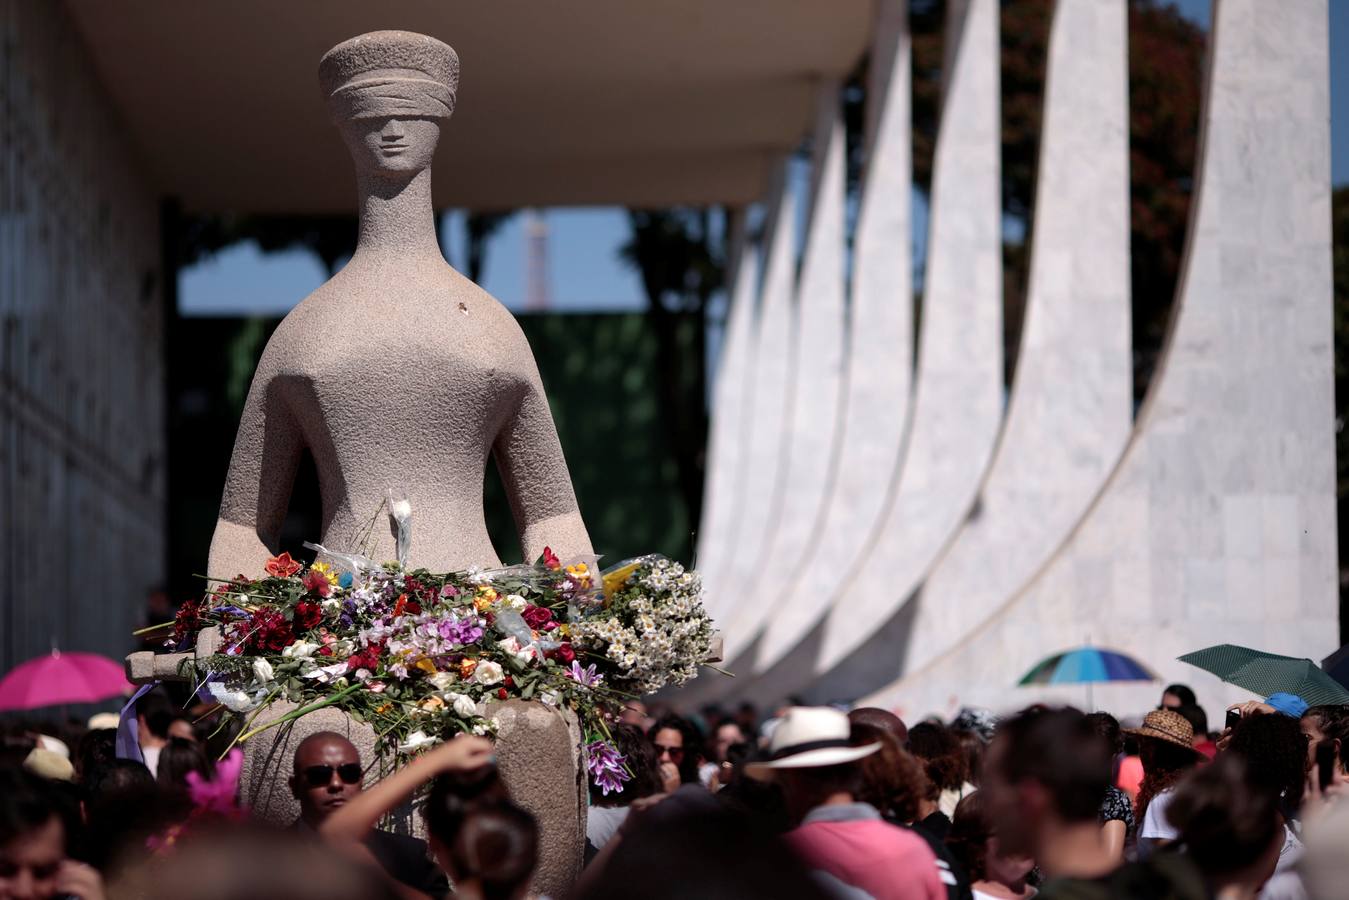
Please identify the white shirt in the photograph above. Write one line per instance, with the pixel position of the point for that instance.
(151, 757)
(1155, 828)
(602, 822)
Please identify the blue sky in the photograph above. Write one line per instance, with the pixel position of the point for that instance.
(585, 272)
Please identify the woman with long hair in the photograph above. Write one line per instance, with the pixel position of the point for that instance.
(1166, 746)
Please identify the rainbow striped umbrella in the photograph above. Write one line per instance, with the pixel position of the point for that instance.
(1085, 665)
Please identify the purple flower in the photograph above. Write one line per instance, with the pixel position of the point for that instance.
(607, 766)
(461, 631)
(587, 676)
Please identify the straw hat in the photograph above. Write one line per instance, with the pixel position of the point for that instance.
(809, 737)
(1166, 725)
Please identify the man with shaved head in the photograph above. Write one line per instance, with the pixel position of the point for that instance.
(327, 774)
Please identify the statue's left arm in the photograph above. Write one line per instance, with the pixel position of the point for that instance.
(529, 456)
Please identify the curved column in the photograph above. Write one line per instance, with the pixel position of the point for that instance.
(814, 429)
(732, 399)
(880, 340)
(1070, 412)
(1218, 525)
(959, 388)
(771, 379)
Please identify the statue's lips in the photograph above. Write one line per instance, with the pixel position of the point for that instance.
(393, 149)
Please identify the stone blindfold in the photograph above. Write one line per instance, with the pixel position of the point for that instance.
(378, 98)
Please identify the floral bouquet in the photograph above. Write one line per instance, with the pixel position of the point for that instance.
(419, 655)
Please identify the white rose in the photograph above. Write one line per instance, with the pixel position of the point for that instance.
(300, 650)
(516, 602)
(463, 705)
(488, 672)
(441, 681)
(262, 671)
(418, 740)
(525, 654)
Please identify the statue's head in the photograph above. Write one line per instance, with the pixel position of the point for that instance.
(388, 92)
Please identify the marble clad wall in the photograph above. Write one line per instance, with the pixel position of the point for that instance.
(1218, 525)
(82, 487)
(815, 417)
(879, 361)
(1070, 411)
(959, 386)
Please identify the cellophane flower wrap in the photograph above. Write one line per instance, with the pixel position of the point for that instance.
(419, 655)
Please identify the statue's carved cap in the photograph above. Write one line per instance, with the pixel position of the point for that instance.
(426, 84)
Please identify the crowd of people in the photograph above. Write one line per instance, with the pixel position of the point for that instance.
(811, 802)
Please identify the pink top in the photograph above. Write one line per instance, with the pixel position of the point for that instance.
(852, 843)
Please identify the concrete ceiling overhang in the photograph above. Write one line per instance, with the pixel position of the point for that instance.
(561, 102)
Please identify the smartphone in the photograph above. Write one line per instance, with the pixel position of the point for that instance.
(1325, 763)
(1233, 717)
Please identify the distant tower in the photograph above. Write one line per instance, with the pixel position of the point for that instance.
(536, 254)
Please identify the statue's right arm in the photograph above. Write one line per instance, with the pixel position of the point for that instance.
(262, 471)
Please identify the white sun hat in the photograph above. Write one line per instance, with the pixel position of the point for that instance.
(809, 737)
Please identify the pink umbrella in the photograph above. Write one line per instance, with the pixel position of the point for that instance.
(58, 678)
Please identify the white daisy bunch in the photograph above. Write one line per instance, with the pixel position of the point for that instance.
(653, 627)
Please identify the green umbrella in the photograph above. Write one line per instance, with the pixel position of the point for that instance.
(1269, 673)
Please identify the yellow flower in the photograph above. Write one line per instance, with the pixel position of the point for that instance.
(614, 581)
(432, 704)
(466, 667)
(485, 599)
(581, 572)
(326, 571)
(426, 665)
(383, 708)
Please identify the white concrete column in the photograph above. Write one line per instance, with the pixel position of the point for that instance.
(1070, 411)
(879, 370)
(814, 420)
(732, 399)
(1219, 523)
(756, 495)
(959, 387)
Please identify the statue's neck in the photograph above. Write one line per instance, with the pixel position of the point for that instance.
(397, 221)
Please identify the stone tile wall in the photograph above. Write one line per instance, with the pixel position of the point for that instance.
(82, 484)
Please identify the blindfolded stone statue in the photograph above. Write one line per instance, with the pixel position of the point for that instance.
(401, 374)
(398, 373)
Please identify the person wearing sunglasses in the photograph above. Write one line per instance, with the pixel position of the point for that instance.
(328, 774)
(678, 747)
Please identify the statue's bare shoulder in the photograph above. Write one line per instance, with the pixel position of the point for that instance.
(439, 311)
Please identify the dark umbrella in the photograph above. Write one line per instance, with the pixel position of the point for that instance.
(1269, 673)
(1337, 665)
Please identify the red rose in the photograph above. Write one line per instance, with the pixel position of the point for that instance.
(268, 631)
(501, 692)
(537, 617)
(564, 654)
(325, 650)
(317, 583)
(282, 566)
(308, 614)
(550, 560)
